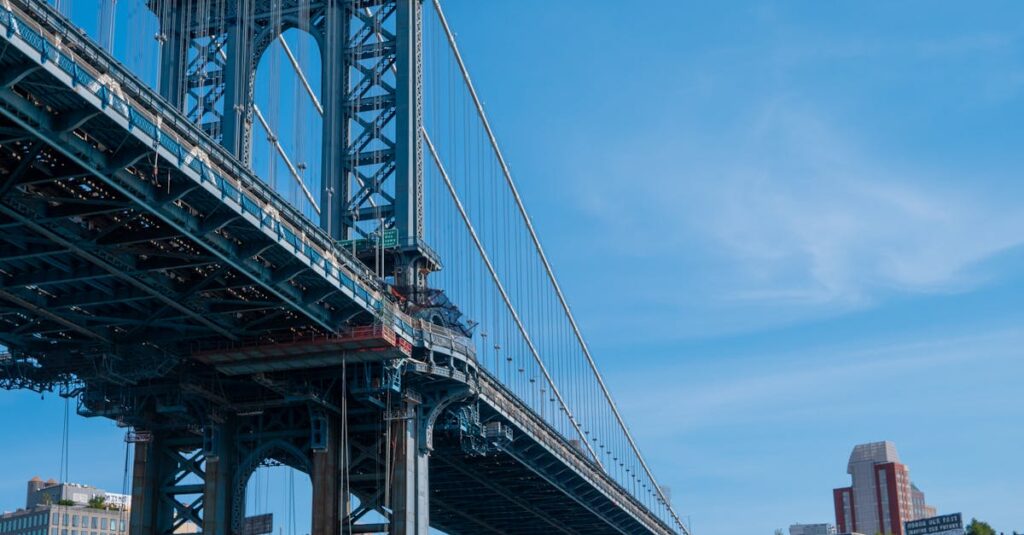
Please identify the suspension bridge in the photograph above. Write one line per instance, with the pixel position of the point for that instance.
(359, 295)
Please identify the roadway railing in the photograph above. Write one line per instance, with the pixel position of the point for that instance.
(503, 400)
(43, 28)
(90, 67)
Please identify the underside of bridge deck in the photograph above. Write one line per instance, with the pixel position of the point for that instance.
(144, 271)
(107, 253)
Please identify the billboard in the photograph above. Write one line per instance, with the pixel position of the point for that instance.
(936, 525)
(258, 525)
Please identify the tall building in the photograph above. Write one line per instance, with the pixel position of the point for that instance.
(881, 496)
(812, 529)
(54, 508)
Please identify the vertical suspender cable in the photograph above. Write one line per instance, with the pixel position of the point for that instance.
(547, 265)
(108, 9)
(497, 281)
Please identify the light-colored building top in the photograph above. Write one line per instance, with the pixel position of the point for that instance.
(872, 452)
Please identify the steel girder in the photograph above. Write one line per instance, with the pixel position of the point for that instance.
(134, 217)
(139, 196)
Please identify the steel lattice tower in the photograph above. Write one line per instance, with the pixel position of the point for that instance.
(372, 79)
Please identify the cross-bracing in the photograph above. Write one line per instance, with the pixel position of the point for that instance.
(150, 274)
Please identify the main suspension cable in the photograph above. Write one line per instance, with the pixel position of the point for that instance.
(298, 72)
(547, 265)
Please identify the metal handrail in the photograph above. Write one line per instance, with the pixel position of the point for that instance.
(93, 58)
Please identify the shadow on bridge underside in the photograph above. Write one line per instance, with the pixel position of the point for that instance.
(136, 256)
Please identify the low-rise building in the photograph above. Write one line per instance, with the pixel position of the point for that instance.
(54, 508)
(64, 520)
(812, 529)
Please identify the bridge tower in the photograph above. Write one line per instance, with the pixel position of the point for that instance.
(371, 191)
(371, 93)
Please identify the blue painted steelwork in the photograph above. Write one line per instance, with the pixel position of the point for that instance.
(133, 243)
(248, 196)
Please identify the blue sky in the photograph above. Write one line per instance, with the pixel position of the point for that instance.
(787, 228)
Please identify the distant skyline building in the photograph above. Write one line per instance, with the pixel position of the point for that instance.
(812, 529)
(49, 511)
(881, 497)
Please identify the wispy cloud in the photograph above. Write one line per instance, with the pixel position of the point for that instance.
(799, 214)
(821, 222)
(798, 388)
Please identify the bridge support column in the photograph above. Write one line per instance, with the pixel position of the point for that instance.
(334, 185)
(331, 501)
(220, 495)
(145, 484)
(238, 78)
(173, 57)
(162, 500)
(410, 497)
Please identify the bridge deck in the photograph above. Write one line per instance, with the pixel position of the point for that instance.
(111, 192)
(130, 242)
